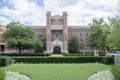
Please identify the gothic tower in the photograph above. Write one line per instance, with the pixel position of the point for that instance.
(56, 33)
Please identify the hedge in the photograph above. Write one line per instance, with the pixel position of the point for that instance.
(116, 72)
(83, 54)
(105, 60)
(4, 60)
(24, 54)
(79, 54)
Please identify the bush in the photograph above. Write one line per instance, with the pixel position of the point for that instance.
(72, 54)
(107, 60)
(2, 74)
(88, 54)
(64, 60)
(101, 54)
(116, 72)
(25, 54)
(79, 54)
(4, 61)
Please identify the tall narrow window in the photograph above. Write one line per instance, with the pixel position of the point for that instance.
(56, 34)
(75, 34)
(87, 35)
(81, 36)
(69, 35)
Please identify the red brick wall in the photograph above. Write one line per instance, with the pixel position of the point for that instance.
(2, 29)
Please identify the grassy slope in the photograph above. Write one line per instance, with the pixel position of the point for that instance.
(58, 71)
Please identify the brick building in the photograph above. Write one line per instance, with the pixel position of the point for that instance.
(57, 34)
(2, 41)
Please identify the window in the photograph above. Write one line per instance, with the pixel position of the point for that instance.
(60, 35)
(81, 47)
(69, 35)
(75, 34)
(81, 36)
(38, 34)
(87, 33)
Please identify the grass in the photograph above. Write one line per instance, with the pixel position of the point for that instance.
(1, 74)
(58, 71)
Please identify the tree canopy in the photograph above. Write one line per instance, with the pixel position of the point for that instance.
(40, 44)
(99, 31)
(19, 36)
(73, 45)
(113, 39)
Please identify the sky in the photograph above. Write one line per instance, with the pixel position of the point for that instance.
(33, 12)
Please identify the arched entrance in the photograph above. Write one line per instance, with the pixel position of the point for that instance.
(57, 50)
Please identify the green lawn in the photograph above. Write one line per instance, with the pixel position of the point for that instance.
(58, 71)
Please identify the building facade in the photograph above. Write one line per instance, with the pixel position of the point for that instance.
(57, 34)
(2, 41)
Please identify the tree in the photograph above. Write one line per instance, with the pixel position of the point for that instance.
(11, 24)
(113, 39)
(40, 43)
(39, 46)
(18, 36)
(99, 32)
(73, 45)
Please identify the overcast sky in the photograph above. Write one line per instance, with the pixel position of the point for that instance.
(32, 12)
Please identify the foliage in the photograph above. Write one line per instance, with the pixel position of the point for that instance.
(39, 46)
(71, 59)
(116, 72)
(2, 74)
(99, 31)
(18, 36)
(73, 45)
(24, 54)
(113, 39)
(79, 54)
(4, 61)
(11, 24)
(73, 54)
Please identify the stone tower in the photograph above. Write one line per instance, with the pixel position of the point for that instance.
(56, 33)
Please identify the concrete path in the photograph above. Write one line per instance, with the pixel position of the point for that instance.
(56, 55)
(117, 61)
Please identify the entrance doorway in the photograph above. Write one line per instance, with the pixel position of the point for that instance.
(57, 50)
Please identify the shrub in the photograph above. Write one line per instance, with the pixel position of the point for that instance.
(107, 60)
(4, 61)
(88, 54)
(63, 60)
(25, 54)
(79, 54)
(116, 72)
(72, 54)
(101, 54)
(2, 74)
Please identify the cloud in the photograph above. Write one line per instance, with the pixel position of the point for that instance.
(80, 12)
(4, 20)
